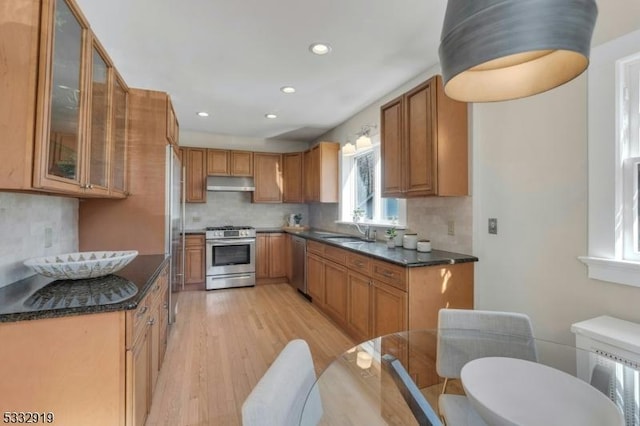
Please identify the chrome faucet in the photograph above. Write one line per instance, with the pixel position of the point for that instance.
(368, 235)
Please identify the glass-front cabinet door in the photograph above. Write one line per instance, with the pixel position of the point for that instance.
(101, 77)
(119, 137)
(62, 98)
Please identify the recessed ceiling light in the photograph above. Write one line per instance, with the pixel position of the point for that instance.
(288, 89)
(202, 114)
(270, 116)
(320, 48)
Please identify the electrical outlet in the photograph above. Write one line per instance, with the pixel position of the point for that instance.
(451, 227)
(195, 219)
(493, 225)
(48, 237)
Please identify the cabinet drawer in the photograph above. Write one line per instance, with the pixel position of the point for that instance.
(137, 320)
(362, 264)
(336, 254)
(315, 247)
(389, 273)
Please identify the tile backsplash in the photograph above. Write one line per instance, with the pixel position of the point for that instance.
(236, 208)
(428, 216)
(32, 226)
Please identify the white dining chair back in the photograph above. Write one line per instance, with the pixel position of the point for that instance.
(465, 335)
(279, 396)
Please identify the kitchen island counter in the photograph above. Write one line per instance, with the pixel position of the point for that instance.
(39, 297)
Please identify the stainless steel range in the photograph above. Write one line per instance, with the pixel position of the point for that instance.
(230, 257)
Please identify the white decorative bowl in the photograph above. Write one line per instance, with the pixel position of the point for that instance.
(75, 266)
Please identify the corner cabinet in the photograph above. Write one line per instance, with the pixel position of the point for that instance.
(271, 259)
(424, 143)
(64, 112)
(292, 182)
(321, 173)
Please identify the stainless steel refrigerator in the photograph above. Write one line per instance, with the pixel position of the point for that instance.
(175, 228)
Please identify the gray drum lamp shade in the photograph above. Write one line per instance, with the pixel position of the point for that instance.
(494, 50)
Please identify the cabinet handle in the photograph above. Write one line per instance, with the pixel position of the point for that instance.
(387, 274)
(358, 263)
(90, 186)
(142, 311)
(152, 321)
(157, 287)
(165, 305)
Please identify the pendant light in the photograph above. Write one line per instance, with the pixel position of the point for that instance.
(495, 50)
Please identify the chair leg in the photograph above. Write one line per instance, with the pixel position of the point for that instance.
(444, 385)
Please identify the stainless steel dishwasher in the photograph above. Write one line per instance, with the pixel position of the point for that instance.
(299, 259)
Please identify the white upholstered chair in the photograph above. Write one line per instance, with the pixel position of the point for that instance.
(465, 335)
(280, 395)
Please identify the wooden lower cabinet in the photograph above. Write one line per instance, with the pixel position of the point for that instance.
(146, 343)
(138, 380)
(335, 296)
(369, 297)
(271, 257)
(359, 309)
(93, 369)
(388, 309)
(315, 279)
(194, 261)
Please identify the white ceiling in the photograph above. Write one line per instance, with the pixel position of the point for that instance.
(230, 57)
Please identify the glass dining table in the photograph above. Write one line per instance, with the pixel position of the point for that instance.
(393, 380)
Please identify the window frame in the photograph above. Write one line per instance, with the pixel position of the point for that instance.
(348, 188)
(613, 254)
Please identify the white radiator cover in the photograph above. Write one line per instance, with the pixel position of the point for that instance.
(607, 338)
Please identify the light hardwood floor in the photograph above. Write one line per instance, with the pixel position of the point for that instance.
(224, 341)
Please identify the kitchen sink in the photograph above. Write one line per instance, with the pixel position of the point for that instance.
(344, 239)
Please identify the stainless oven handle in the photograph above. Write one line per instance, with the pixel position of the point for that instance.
(230, 242)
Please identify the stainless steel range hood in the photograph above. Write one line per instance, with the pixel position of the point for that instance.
(230, 184)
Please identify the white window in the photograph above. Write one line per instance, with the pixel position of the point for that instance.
(614, 161)
(361, 190)
(628, 124)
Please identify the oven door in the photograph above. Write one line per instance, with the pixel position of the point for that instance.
(231, 256)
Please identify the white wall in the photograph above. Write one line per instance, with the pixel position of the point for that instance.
(427, 216)
(242, 143)
(23, 220)
(530, 172)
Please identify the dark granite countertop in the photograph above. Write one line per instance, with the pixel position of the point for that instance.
(39, 297)
(268, 230)
(397, 255)
(195, 231)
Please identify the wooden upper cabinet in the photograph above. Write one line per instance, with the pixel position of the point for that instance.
(293, 178)
(424, 143)
(241, 163)
(222, 162)
(57, 113)
(119, 137)
(321, 173)
(391, 148)
(267, 168)
(195, 162)
(173, 127)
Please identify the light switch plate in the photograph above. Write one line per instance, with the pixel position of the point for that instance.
(48, 237)
(451, 227)
(493, 225)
